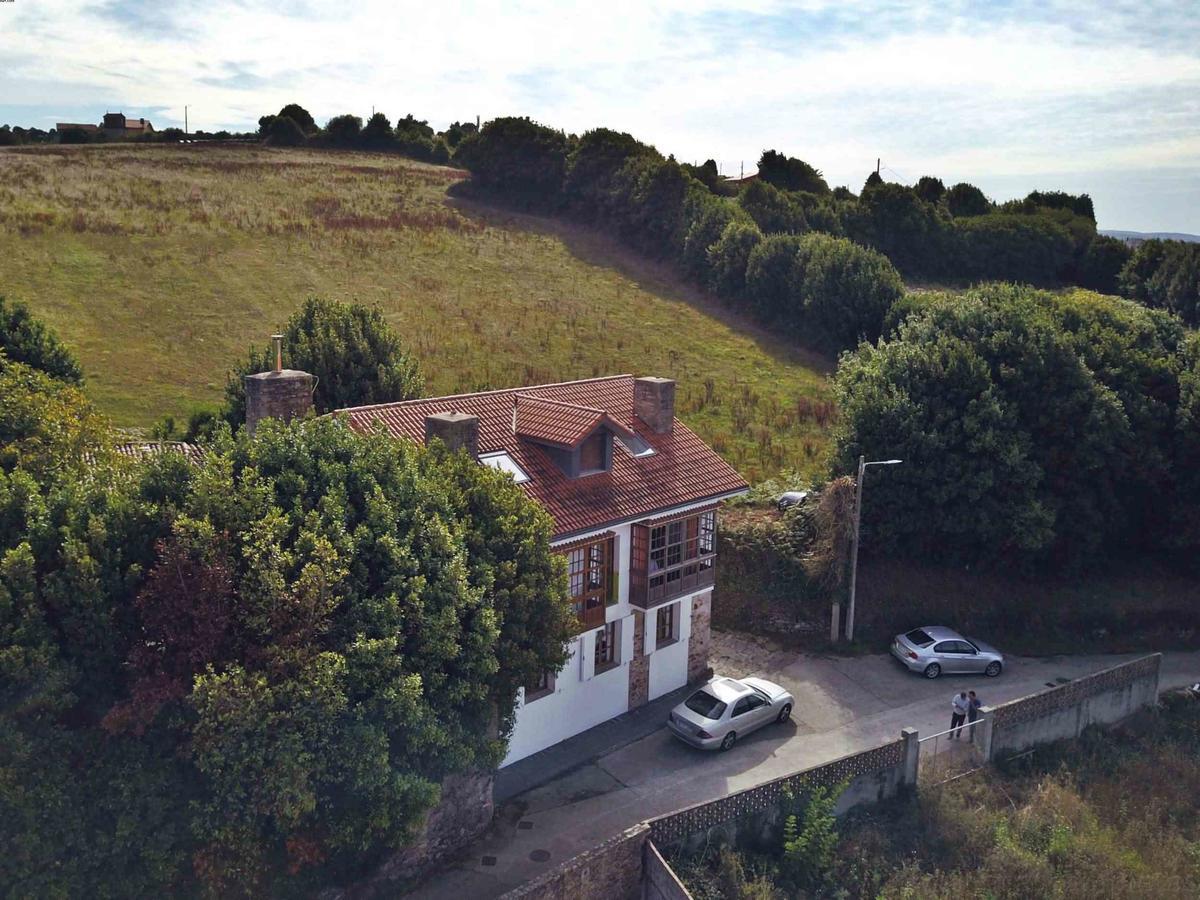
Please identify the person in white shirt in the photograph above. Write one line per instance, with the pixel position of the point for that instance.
(959, 706)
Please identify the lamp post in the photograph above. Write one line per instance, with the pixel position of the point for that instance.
(858, 495)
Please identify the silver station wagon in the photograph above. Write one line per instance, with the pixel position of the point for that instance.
(726, 709)
(932, 650)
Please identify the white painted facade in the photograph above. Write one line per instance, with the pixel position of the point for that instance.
(581, 698)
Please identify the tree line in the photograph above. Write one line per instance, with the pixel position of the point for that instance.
(248, 676)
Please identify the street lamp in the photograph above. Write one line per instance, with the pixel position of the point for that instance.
(858, 494)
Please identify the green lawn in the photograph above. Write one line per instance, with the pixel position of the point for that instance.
(159, 265)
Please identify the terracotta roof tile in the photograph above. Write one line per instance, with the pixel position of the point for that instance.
(556, 422)
(682, 470)
(191, 452)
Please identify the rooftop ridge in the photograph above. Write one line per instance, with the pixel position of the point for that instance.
(537, 399)
(512, 390)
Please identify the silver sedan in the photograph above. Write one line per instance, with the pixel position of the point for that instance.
(726, 709)
(932, 650)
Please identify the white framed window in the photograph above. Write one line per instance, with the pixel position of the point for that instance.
(503, 462)
(608, 647)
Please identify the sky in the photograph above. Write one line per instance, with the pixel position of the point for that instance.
(1102, 98)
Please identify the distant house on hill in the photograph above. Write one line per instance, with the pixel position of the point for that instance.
(116, 125)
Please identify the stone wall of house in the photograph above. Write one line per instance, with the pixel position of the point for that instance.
(639, 666)
(463, 814)
(701, 637)
(610, 871)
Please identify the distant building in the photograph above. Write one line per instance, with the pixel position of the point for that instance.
(116, 125)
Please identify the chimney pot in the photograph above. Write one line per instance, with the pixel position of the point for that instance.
(281, 393)
(458, 431)
(654, 403)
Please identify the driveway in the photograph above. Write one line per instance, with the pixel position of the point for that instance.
(843, 705)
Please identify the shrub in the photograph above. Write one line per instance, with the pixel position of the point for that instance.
(847, 290)
(773, 278)
(343, 131)
(1165, 275)
(707, 219)
(729, 257)
(592, 168)
(772, 210)
(25, 339)
(1012, 247)
(282, 131)
(356, 356)
(1102, 262)
(967, 200)
(790, 174)
(519, 159)
(300, 116)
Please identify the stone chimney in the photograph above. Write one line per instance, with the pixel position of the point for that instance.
(654, 403)
(458, 431)
(281, 393)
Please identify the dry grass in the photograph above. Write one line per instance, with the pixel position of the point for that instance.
(159, 265)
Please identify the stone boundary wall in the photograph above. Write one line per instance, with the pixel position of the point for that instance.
(1103, 698)
(609, 871)
(873, 775)
(659, 881)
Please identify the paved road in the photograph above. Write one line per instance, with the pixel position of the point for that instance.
(843, 705)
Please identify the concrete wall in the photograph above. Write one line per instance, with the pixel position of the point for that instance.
(659, 882)
(1064, 712)
(610, 871)
(872, 775)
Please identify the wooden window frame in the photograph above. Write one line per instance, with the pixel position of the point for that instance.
(668, 613)
(544, 688)
(679, 556)
(591, 580)
(607, 648)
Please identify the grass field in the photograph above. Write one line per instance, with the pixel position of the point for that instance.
(159, 265)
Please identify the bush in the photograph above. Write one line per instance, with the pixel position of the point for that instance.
(707, 218)
(25, 339)
(518, 159)
(1165, 275)
(773, 278)
(967, 200)
(282, 131)
(847, 290)
(729, 257)
(1102, 263)
(790, 174)
(356, 356)
(343, 131)
(592, 169)
(1012, 247)
(772, 210)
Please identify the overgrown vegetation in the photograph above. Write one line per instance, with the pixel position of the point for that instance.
(1112, 815)
(248, 677)
(160, 265)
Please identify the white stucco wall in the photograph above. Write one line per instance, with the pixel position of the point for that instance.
(669, 666)
(581, 698)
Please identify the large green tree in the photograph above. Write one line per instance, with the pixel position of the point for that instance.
(1028, 424)
(357, 357)
(248, 678)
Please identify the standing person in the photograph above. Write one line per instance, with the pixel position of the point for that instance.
(973, 704)
(959, 706)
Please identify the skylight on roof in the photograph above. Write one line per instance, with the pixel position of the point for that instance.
(505, 463)
(636, 446)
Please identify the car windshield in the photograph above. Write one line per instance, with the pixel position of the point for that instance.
(705, 704)
(918, 638)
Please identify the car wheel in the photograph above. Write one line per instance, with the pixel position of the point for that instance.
(933, 670)
(785, 713)
(993, 669)
(730, 740)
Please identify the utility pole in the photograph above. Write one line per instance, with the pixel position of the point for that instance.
(858, 495)
(185, 124)
(877, 161)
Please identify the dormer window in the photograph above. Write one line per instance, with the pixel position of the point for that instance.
(595, 453)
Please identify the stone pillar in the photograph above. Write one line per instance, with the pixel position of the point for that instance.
(654, 403)
(984, 726)
(458, 431)
(700, 637)
(639, 664)
(912, 755)
(282, 394)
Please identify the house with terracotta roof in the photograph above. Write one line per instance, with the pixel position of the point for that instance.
(634, 496)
